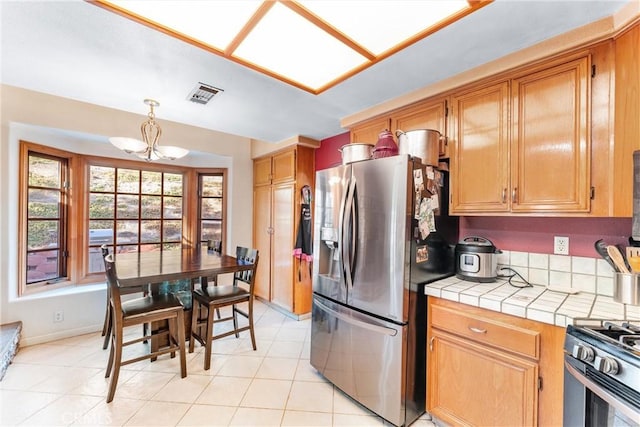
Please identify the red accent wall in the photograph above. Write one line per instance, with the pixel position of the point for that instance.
(536, 234)
(328, 155)
(515, 233)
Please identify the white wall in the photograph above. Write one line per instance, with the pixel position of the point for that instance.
(84, 128)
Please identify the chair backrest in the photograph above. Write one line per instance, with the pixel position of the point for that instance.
(112, 282)
(215, 245)
(246, 256)
(105, 251)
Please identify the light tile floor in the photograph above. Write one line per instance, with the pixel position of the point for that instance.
(62, 383)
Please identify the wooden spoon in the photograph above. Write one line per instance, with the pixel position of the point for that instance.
(617, 258)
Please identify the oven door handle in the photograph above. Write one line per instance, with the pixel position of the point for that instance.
(618, 405)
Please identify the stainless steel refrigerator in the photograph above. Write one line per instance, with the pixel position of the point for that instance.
(371, 261)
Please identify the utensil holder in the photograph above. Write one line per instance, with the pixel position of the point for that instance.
(626, 288)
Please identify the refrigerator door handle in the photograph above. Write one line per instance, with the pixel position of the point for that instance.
(361, 324)
(347, 235)
(341, 227)
(353, 244)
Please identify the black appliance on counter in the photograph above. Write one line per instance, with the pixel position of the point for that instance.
(602, 374)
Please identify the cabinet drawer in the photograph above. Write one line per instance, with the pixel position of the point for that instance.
(487, 330)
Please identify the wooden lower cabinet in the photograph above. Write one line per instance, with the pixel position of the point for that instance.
(476, 385)
(491, 369)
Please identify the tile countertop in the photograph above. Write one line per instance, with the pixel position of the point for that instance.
(535, 303)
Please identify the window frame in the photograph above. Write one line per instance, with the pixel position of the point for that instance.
(223, 223)
(65, 218)
(78, 210)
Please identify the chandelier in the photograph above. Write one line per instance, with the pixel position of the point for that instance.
(148, 149)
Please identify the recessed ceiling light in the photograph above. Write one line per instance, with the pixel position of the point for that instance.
(311, 44)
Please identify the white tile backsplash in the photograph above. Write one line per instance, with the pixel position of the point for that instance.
(584, 274)
(560, 263)
(583, 265)
(540, 261)
(519, 259)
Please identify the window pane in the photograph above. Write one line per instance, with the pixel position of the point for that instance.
(171, 246)
(212, 186)
(211, 209)
(44, 203)
(151, 207)
(172, 207)
(150, 231)
(128, 206)
(211, 230)
(150, 248)
(96, 263)
(101, 205)
(173, 184)
(102, 178)
(172, 231)
(42, 234)
(47, 267)
(128, 181)
(151, 182)
(100, 232)
(44, 172)
(127, 232)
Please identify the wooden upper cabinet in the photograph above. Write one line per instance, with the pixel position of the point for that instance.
(425, 115)
(280, 167)
(551, 148)
(262, 171)
(523, 145)
(627, 112)
(369, 131)
(284, 166)
(480, 150)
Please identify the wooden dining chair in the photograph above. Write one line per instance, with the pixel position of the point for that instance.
(151, 308)
(208, 299)
(106, 327)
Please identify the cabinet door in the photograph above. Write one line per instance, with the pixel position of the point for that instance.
(431, 115)
(627, 125)
(262, 233)
(480, 151)
(369, 131)
(473, 385)
(550, 140)
(262, 171)
(284, 166)
(283, 221)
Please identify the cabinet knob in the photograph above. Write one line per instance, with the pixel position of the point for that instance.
(514, 195)
(477, 330)
(504, 195)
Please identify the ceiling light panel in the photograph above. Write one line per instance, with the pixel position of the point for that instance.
(289, 45)
(383, 24)
(214, 23)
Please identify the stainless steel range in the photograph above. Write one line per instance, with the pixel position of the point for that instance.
(602, 373)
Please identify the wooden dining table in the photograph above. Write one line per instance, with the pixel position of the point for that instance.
(142, 268)
(136, 269)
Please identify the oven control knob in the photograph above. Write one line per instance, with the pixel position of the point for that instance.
(583, 353)
(606, 365)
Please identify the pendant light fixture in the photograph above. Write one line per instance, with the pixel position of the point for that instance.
(149, 149)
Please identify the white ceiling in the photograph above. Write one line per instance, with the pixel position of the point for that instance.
(76, 50)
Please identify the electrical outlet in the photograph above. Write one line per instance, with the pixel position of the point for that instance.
(561, 245)
(58, 316)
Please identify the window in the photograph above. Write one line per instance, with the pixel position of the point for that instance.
(211, 206)
(133, 210)
(46, 218)
(72, 204)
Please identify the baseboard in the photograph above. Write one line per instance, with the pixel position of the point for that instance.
(67, 333)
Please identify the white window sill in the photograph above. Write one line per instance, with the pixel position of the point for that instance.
(67, 290)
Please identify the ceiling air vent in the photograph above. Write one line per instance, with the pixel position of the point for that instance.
(203, 93)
